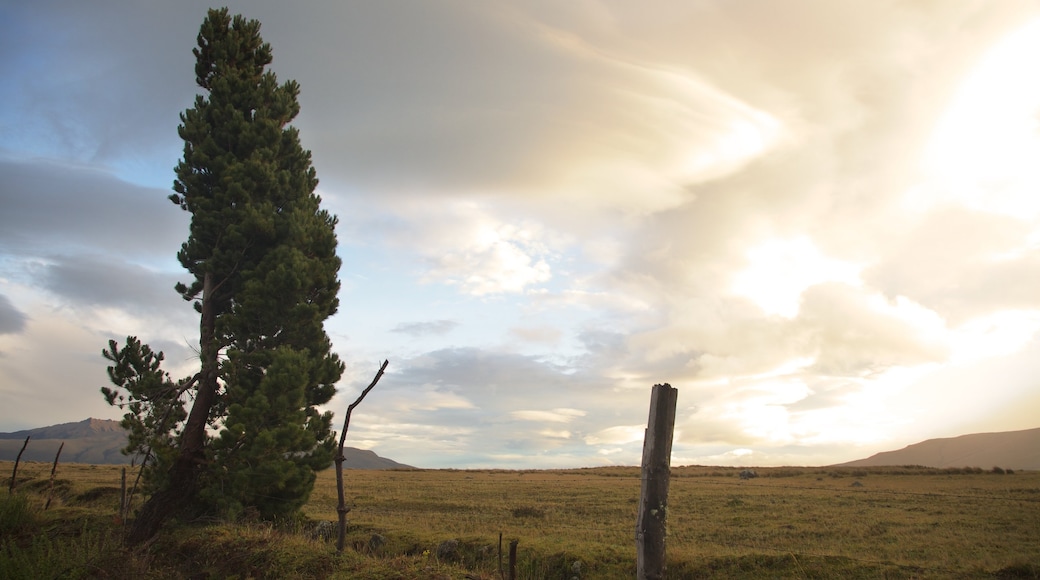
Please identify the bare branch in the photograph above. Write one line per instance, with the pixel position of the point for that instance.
(342, 508)
(350, 409)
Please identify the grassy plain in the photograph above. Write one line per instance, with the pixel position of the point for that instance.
(788, 523)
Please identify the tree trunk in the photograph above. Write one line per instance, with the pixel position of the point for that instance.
(181, 484)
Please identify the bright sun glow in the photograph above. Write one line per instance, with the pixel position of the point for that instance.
(746, 139)
(998, 334)
(984, 153)
(780, 270)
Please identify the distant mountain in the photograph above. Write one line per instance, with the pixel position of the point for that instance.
(90, 441)
(98, 441)
(1010, 449)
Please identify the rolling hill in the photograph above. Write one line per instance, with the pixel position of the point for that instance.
(99, 441)
(1009, 449)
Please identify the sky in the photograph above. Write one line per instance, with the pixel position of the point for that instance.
(819, 220)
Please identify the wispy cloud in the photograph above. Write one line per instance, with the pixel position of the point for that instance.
(553, 416)
(433, 327)
(12, 320)
(793, 213)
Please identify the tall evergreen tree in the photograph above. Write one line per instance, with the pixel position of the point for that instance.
(263, 267)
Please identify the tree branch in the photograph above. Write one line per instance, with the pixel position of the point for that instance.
(350, 409)
(342, 508)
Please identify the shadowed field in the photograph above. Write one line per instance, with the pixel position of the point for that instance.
(788, 522)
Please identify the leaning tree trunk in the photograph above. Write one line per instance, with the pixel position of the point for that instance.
(181, 486)
(159, 507)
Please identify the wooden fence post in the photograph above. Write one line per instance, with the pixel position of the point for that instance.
(512, 559)
(122, 497)
(14, 474)
(653, 496)
(341, 508)
(54, 470)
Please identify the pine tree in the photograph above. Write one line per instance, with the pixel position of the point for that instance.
(261, 255)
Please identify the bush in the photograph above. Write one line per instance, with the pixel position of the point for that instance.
(91, 553)
(17, 515)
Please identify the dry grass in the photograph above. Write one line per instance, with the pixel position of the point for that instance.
(789, 522)
(903, 521)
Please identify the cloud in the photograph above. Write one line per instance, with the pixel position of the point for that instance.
(961, 263)
(493, 260)
(826, 393)
(52, 371)
(854, 333)
(93, 280)
(535, 110)
(12, 320)
(433, 327)
(542, 334)
(467, 246)
(86, 208)
(73, 109)
(433, 398)
(553, 416)
(497, 389)
(616, 435)
(740, 198)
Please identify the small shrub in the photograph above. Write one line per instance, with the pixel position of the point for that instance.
(17, 515)
(448, 551)
(998, 471)
(91, 552)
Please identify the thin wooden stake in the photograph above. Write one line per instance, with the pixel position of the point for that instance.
(653, 497)
(54, 469)
(342, 509)
(137, 480)
(512, 559)
(14, 474)
(122, 497)
(501, 572)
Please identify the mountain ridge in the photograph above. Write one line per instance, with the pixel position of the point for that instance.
(1005, 449)
(99, 441)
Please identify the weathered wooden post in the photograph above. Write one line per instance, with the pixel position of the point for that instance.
(341, 508)
(14, 473)
(653, 496)
(512, 558)
(122, 497)
(54, 470)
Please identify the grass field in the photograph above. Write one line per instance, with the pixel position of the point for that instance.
(787, 523)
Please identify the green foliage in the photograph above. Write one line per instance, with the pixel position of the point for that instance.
(85, 555)
(261, 255)
(54, 544)
(268, 461)
(17, 515)
(152, 403)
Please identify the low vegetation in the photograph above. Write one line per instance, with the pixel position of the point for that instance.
(787, 522)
